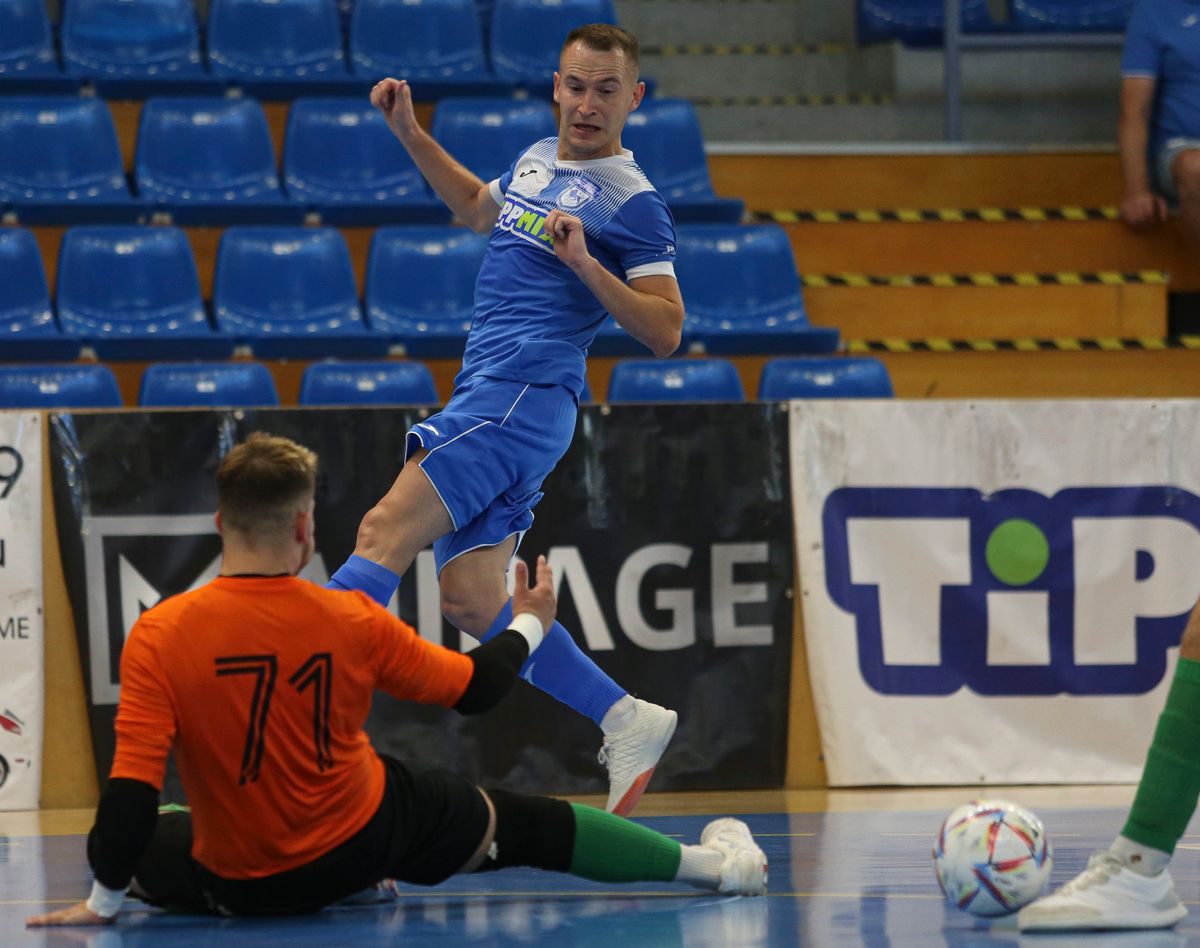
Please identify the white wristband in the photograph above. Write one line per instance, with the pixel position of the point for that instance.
(530, 626)
(104, 901)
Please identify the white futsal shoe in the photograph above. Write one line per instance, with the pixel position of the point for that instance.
(1106, 895)
(744, 864)
(632, 753)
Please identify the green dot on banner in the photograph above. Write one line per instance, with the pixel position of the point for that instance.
(1017, 552)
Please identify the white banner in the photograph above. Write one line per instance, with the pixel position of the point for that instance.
(21, 640)
(994, 591)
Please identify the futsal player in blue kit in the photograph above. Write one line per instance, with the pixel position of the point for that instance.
(577, 232)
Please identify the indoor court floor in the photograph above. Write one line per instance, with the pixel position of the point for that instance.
(846, 868)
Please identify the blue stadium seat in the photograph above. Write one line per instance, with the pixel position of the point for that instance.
(830, 377)
(1071, 15)
(367, 383)
(207, 385)
(26, 45)
(486, 135)
(340, 153)
(27, 326)
(144, 39)
(675, 380)
(665, 137)
(59, 160)
(741, 291)
(207, 160)
(276, 39)
(132, 293)
(915, 22)
(421, 287)
(432, 40)
(290, 292)
(527, 35)
(58, 386)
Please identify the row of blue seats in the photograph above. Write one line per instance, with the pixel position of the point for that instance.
(920, 22)
(289, 292)
(281, 42)
(211, 160)
(249, 384)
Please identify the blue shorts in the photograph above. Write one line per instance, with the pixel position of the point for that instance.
(490, 449)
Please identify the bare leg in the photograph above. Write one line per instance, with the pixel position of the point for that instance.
(407, 519)
(1186, 171)
(474, 589)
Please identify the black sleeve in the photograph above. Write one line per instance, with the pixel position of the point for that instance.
(125, 821)
(498, 662)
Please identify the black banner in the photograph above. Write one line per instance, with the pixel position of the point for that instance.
(669, 525)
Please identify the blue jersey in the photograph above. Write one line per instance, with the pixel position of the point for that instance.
(1162, 42)
(534, 319)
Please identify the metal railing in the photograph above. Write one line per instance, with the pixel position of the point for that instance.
(955, 43)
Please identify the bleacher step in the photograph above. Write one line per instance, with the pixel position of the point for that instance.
(1001, 247)
(990, 312)
(1057, 73)
(1011, 121)
(808, 73)
(727, 21)
(918, 178)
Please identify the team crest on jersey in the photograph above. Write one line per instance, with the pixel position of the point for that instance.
(578, 191)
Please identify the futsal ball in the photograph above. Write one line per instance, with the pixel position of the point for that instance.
(992, 857)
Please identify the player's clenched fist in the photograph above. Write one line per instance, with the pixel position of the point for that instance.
(393, 97)
(566, 233)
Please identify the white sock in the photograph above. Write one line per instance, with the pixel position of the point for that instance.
(699, 866)
(620, 715)
(1143, 860)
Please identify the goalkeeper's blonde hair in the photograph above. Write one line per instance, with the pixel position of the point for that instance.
(263, 482)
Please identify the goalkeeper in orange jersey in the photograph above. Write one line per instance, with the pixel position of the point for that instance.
(261, 682)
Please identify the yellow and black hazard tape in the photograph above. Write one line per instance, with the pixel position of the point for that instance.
(747, 49)
(949, 215)
(1103, 344)
(947, 280)
(744, 101)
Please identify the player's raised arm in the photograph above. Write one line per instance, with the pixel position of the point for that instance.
(649, 308)
(465, 194)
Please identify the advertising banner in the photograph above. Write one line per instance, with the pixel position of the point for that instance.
(22, 685)
(668, 529)
(994, 591)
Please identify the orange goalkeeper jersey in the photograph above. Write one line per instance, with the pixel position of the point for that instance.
(262, 686)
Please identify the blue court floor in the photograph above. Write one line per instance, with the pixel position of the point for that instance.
(837, 878)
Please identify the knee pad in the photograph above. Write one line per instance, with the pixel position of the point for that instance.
(530, 831)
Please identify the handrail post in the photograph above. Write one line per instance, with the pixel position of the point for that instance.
(952, 69)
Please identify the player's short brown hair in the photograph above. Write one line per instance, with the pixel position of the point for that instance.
(605, 37)
(261, 483)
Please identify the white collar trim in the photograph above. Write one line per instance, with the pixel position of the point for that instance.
(625, 156)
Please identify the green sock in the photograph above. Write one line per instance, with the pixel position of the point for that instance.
(1170, 785)
(613, 849)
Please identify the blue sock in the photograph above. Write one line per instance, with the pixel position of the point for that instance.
(561, 669)
(377, 581)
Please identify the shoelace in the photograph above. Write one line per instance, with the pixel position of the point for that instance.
(611, 753)
(610, 750)
(1101, 867)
